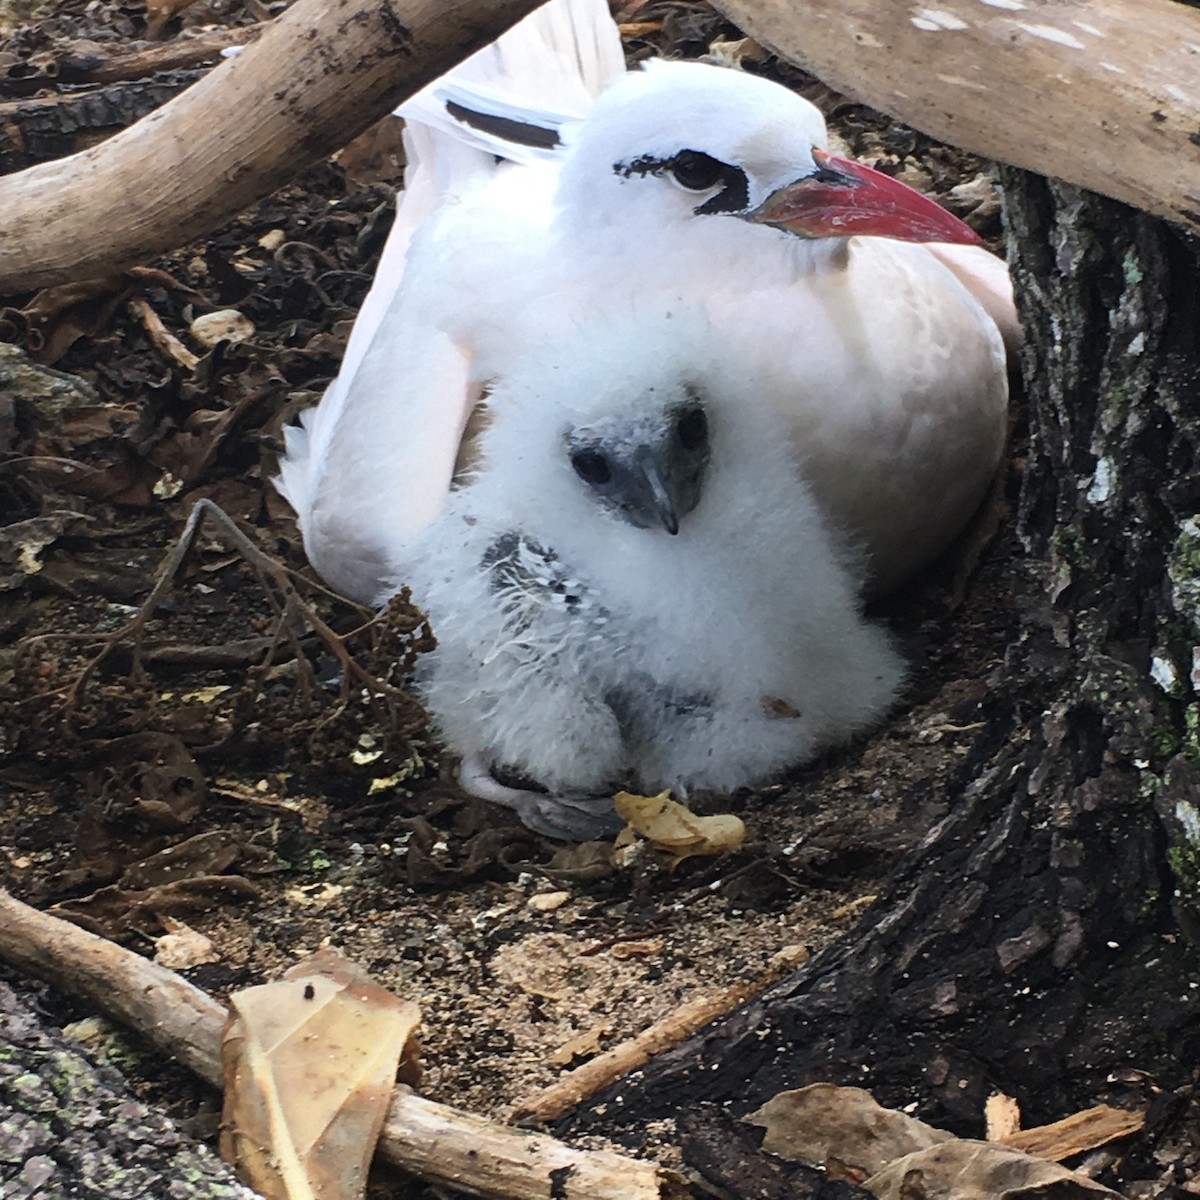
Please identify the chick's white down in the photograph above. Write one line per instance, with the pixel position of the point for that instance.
(585, 652)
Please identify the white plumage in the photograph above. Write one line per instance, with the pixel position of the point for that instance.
(877, 358)
(583, 645)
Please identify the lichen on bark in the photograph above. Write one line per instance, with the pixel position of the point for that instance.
(71, 1127)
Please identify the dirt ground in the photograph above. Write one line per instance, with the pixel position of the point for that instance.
(215, 771)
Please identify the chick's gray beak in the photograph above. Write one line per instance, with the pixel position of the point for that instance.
(658, 500)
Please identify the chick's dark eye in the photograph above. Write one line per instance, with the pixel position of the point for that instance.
(591, 466)
(696, 171)
(692, 429)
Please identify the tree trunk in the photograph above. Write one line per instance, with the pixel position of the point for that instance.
(1039, 939)
(71, 1127)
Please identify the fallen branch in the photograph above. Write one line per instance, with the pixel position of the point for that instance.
(43, 128)
(550, 1103)
(436, 1143)
(318, 76)
(94, 65)
(1096, 92)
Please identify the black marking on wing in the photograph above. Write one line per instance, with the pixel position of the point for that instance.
(520, 133)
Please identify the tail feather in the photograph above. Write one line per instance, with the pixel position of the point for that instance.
(548, 69)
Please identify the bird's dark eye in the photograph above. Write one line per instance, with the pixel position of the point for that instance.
(591, 466)
(696, 171)
(692, 429)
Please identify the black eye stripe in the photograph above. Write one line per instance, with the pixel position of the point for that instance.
(734, 197)
(697, 171)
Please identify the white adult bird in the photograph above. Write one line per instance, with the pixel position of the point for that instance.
(680, 180)
(634, 586)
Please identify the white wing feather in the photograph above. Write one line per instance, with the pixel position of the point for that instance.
(361, 486)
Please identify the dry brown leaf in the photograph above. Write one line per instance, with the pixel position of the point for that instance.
(671, 826)
(822, 1123)
(309, 1066)
(967, 1170)
(583, 1045)
(1002, 1115)
(116, 912)
(585, 862)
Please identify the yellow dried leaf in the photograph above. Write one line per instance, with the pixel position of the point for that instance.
(673, 827)
(309, 1065)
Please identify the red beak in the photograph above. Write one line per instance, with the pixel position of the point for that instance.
(843, 197)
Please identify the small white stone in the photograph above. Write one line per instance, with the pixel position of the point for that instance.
(225, 325)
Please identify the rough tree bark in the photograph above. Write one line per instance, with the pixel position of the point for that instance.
(1084, 90)
(71, 1127)
(1039, 938)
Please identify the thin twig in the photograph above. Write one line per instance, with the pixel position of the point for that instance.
(605, 1069)
(265, 567)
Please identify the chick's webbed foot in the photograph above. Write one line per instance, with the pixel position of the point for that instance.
(567, 816)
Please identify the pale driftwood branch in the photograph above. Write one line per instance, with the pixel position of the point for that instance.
(1102, 93)
(317, 77)
(436, 1143)
(575, 1086)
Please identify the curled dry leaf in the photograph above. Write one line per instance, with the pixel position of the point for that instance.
(671, 826)
(824, 1124)
(22, 544)
(309, 1065)
(967, 1170)
(151, 776)
(116, 912)
(897, 1157)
